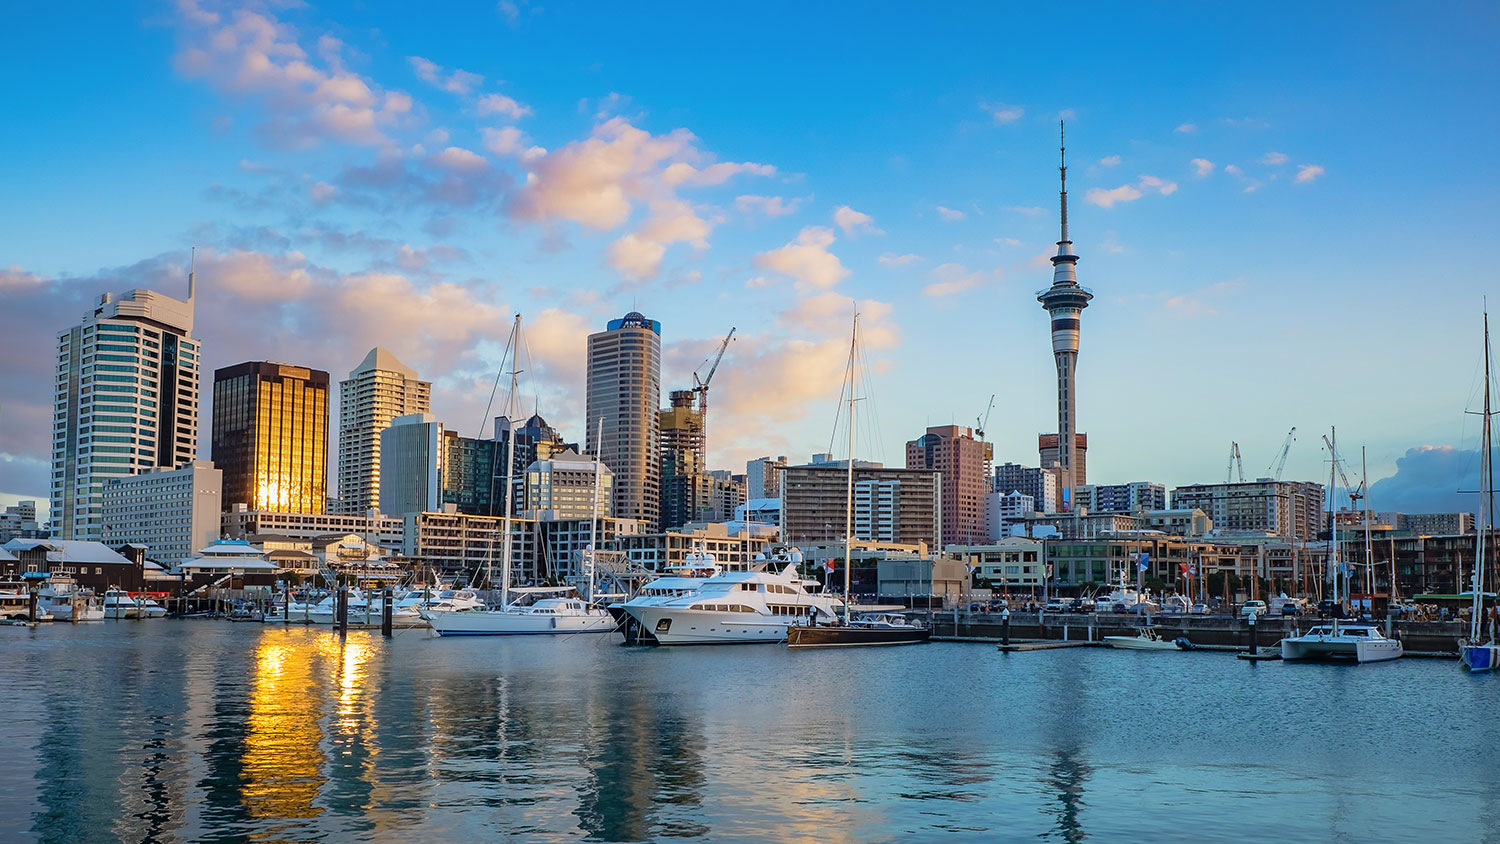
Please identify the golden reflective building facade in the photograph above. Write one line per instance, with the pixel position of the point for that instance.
(270, 436)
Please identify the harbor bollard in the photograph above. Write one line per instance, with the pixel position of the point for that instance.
(1252, 634)
(1005, 626)
(385, 615)
(31, 607)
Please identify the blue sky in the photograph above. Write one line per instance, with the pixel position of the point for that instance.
(1267, 202)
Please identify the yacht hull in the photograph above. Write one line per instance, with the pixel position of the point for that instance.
(823, 636)
(1338, 649)
(1480, 657)
(678, 626)
(1136, 643)
(469, 623)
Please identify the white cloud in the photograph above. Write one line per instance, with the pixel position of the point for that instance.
(851, 221)
(1202, 167)
(458, 82)
(1233, 169)
(771, 206)
(806, 259)
(891, 259)
(460, 159)
(1187, 128)
(1274, 159)
(510, 141)
(1161, 186)
(1109, 161)
(1007, 241)
(503, 105)
(1107, 198)
(950, 279)
(1028, 210)
(1002, 113)
(638, 255)
(322, 193)
(1308, 172)
(950, 214)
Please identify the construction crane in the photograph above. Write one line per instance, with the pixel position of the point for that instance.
(985, 421)
(701, 386)
(1356, 493)
(1274, 470)
(1234, 462)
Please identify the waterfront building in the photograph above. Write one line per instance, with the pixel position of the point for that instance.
(172, 512)
(762, 511)
(763, 477)
(1426, 564)
(890, 505)
(126, 401)
(228, 564)
(1012, 562)
(92, 565)
(240, 522)
(1285, 509)
(473, 474)
(377, 391)
(1184, 522)
(19, 521)
(1081, 524)
(270, 436)
(562, 487)
(1006, 511)
(1437, 524)
(1041, 484)
(659, 550)
(1064, 302)
(411, 465)
(467, 546)
(624, 389)
(1122, 498)
(963, 464)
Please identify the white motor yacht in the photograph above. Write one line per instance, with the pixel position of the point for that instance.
(735, 607)
(1146, 639)
(120, 604)
(65, 602)
(544, 616)
(16, 604)
(675, 582)
(1341, 641)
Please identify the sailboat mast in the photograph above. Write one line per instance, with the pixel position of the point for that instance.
(1364, 481)
(510, 467)
(594, 523)
(849, 495)
(1333, 527)
(1486, 502)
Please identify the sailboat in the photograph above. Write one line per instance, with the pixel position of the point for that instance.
(1480, 651)
(552, 610)
(1347, 641)
(874, 625)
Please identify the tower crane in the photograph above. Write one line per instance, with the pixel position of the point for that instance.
(1234, 462)
(1274, 470)
(701, 386)
(1356, 493)
(985, 421)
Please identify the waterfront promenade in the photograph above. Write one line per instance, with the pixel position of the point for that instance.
(211, 731)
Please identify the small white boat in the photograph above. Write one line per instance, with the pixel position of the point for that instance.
(120, 604)
(545, 616)
(16, 604)
(72, 604)
(1341, 641)
(1146, 640)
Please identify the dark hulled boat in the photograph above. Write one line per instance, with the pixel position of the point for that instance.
(863, 631)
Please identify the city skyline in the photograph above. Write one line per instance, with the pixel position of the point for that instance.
(365, 187)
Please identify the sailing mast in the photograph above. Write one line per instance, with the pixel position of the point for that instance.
(1486, 506)
(510, 467)
(1333, 529)
(849, 495)
(594, 523)
(1364, 482)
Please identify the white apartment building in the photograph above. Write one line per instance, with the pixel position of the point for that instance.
(1007, 511)
(377, 391)
(173, 512)
(126, 401)
(563, 487)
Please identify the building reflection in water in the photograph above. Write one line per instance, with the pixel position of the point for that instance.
(1066, 732)
(282, 770)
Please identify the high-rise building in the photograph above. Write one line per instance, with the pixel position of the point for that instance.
(1133, 497)
(1064, 302)
(763, 477)
(173, 512)
(890, 505)
(624, 389)
(1286, 509)
(270, 436)
(1050, 454)
(411, 465)
(126, 401)
(1040, 484)
(562, 486)
(377, 391)
(686, 489)
(964, 463)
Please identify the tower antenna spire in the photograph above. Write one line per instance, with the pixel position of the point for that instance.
(192, 268)
(1063, 171)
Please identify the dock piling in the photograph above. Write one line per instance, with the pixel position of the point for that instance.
(385, 614)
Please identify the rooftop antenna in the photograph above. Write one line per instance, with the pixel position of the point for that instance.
(1063, 169)
(192, 266)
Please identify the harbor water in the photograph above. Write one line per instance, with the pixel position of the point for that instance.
(210, 731)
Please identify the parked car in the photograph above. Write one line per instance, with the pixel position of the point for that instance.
(1103, 605)
(1079, 605)
(1199, 609)
(1254, 608)
(1290, 609)
(1055, 605)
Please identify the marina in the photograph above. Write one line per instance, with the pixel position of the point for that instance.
(227, 732)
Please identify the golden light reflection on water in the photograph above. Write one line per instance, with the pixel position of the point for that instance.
(283, 764)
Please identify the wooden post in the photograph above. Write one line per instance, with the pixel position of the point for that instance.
(385, 614)
(341, 609)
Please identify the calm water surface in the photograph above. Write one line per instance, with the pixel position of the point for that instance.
(210, 731)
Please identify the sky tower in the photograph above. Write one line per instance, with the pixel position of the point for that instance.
(1065, 302)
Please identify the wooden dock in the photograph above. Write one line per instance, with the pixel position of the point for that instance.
(1017, 647)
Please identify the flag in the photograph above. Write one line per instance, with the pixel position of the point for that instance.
(968, 567)
(1143, 561)
(1192, 571)
(1186, 570)
(829, 564)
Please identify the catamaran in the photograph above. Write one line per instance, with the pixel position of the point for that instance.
(1342, 641)
(1480, 651)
